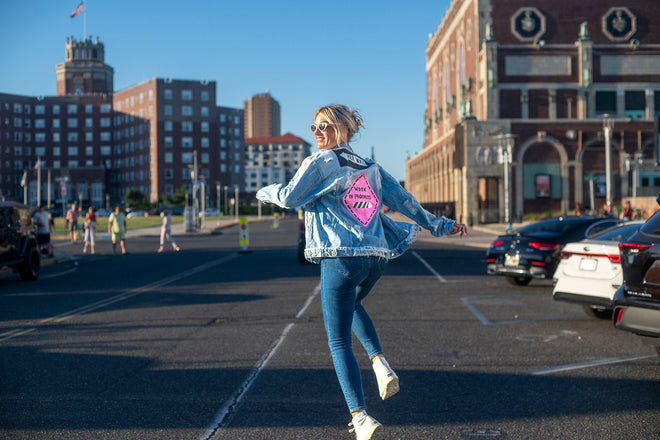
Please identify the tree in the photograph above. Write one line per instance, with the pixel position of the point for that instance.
(135, 199)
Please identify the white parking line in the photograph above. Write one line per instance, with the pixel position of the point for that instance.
(230, 405)
(588, 364)
(428, 266)
(120, 297)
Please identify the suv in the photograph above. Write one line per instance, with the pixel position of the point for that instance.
(18, 245)
(637, 301)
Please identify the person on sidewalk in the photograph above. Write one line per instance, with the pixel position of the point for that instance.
(90, 230)
(72, 217)
(42, 220)
(348, 235)
(166, 231)
(117, 229)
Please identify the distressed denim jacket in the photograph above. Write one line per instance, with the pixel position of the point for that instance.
(342, 195)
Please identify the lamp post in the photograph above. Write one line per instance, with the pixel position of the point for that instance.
(236, 201)
(505, 147)
(225, 212)
(633, 164)
(608, 123)
(217, 192)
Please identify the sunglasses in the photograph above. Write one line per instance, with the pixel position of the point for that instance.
(323, 126)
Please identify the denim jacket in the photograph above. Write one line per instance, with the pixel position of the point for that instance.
(343, 195)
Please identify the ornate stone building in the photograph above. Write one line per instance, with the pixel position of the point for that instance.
(528, 101)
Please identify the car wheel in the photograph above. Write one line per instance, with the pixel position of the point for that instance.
(598, 312)
(31, 265)
(519, 281)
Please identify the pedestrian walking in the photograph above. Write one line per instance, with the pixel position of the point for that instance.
(166, 231)
(349, 236)
(117, 230)
(90, 230)
(42, 220)
(72, 217)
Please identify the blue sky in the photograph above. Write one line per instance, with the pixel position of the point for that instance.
(369, 55)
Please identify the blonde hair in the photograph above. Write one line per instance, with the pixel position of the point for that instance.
(346, 122)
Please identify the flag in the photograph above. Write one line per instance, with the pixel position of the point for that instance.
(37, 165)
(78, 10)
(24, 179)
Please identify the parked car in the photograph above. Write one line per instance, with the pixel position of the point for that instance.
(18, 245)
(103, 212)
(637, 301)
(533, 250)
(137, 213)
(589, 271)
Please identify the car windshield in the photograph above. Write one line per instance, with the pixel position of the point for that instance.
(617, 233)
(652, 225)
(557, 226)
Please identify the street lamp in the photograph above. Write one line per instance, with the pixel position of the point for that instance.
(505, 147)
(633, 165)
(225, 212)
(217, 192)
(236, 201)
(608, 123)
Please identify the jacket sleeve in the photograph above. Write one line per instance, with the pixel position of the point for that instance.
(305, 186)
(398, 199)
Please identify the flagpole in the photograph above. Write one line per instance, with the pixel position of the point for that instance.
(38, 180)
(84, 20)
(49, 189)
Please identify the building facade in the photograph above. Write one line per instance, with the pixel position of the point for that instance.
(527, 104)
(262, 116)
(96, 145)
(273, 159)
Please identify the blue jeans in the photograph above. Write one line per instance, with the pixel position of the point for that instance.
(345, 282)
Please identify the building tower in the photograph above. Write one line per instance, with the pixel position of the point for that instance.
(262, 116)
(84, 71)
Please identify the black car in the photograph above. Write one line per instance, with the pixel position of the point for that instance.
(637, 301)
(533, 250)
(18, 245)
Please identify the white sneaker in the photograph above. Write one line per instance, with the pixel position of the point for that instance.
(388, 381)
(365, 427)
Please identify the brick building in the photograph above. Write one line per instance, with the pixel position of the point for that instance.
(538, 79)
(262, 116)
(95, 145)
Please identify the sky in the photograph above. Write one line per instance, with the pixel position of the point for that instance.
(366, 54)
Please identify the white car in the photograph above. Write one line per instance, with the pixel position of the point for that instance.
(589, 271)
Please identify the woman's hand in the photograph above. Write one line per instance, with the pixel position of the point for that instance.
(459, 228)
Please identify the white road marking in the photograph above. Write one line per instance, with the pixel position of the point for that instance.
(230, 405)
(428, 266)
(120, 297)
(589, 364)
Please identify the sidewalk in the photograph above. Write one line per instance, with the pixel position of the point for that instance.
(178, 230)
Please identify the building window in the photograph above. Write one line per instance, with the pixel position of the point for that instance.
(205, 95)
(186, 110)
(205, 158)
(606, 102)
(168, 141)
(187, 142)
(186, 95)
(186, 126)
(204, 111)
(72, 123)
(167, 109)
(105, 108)
(56, 109)
(89, 150)
(72, 109)
(72, 151)
(205, 142)
(167, 93)
(105, 122)
(169, 157)
(105, 136)
(186, 158)
(169, 173)
(89, 108)
(40, 109)
(168, 125)
(204, 127)
(635, 101)
(72, 137)
(105, 150)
